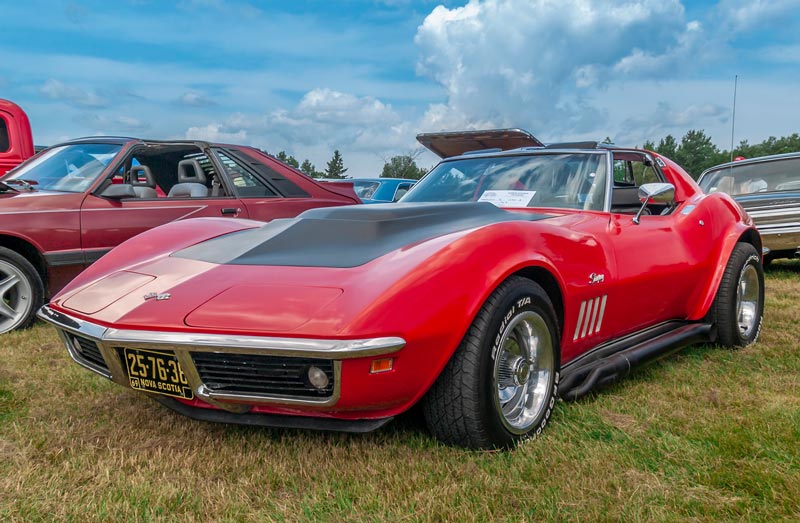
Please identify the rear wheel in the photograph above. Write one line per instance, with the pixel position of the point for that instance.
(501, 384)
(21, 291)
(739, 305)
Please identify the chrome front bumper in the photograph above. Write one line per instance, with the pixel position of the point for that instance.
(109, 341)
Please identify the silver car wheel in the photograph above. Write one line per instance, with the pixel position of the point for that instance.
(523, 371)
(16, 296)
(747, 297)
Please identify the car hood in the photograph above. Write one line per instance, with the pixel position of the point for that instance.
(320, 273)
(347, 236)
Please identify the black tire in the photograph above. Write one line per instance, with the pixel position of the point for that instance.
(23, 298)
(464, 405)
(738, 322)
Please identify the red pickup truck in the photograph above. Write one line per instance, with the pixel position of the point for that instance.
(16, 141)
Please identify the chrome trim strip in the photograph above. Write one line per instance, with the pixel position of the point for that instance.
(183, 344)
(589, 305)
(580, 320)
(595, 310)
(71, 324)
(302, 347)
(602, 313)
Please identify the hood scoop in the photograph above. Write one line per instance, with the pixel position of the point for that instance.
(347, 236)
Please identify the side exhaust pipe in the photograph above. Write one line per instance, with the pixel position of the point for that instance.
(618, 365)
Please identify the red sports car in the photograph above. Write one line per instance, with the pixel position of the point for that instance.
(70, 204)
(503, 280)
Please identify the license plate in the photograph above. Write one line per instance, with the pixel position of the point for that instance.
(157, 371)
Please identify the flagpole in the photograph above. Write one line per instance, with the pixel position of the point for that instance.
(733, 119)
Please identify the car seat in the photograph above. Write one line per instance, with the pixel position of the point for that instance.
(146, 187)
(191, 181)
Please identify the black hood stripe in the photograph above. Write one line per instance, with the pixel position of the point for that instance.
(346, 236)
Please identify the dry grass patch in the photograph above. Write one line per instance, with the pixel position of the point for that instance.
(707, 435)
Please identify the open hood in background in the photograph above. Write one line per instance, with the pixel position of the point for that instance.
(456, 143)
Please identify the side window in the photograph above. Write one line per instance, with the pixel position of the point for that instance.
(401, 191)
(247, 184)
(5, 143)
(632, 170)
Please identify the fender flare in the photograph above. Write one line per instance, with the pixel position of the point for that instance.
(742, 230)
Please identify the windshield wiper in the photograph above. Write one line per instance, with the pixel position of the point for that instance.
(27, 185)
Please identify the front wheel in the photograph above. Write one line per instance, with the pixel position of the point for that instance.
(501, 384)
(739, 305)
(21, 291)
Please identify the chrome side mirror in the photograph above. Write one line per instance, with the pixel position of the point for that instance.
(654, 193)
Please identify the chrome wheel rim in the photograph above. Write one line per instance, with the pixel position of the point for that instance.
(747, 300)
(16, 296)
(523, 371)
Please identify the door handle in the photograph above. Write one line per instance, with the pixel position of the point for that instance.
(230, 210)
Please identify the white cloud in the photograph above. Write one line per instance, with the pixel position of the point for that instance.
(112, 125)
(57, 90)
(195, 99)
(323, 117)
(667, 119)
(739, 15)
(540, 64)
(215, 132)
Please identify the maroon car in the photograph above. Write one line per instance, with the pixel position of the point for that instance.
(69, 205)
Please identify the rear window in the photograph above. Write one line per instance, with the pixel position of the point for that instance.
(768, 176)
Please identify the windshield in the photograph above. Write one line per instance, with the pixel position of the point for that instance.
(67, 168)
(561, 180)
(775, 175)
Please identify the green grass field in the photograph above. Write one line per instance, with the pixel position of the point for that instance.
(706, 435)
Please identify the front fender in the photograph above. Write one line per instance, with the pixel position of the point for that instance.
(433, 306)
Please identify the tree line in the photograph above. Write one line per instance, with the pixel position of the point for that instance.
(695, 152)
(400, 166)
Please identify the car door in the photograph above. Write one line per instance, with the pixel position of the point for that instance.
(106, 222)
(661, 260)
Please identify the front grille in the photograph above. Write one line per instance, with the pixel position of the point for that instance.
(254, 374)
(87, 350)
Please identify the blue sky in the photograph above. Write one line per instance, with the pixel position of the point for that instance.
(365, 76)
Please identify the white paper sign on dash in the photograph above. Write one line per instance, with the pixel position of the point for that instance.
(508, 198)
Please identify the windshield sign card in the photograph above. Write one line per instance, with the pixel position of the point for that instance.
(508, 198)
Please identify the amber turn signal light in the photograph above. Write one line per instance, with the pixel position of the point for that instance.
(382, 365)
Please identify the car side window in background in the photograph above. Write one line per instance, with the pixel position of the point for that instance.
(247, 184)
(365, 190)
(401, 191)
(5, 143)
(767, 176)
